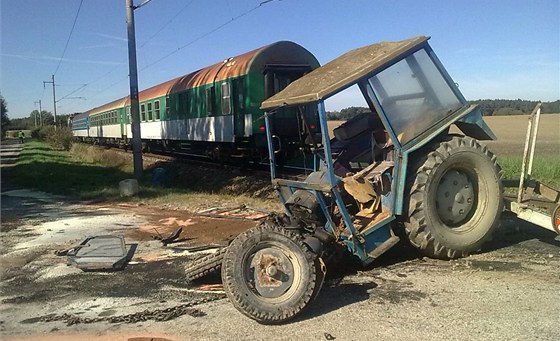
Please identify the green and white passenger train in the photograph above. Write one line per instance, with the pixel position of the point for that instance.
(213, 111)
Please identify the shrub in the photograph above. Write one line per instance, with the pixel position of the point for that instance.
(42, 133)
(60, 138)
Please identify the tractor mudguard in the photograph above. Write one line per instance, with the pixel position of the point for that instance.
(474, 126)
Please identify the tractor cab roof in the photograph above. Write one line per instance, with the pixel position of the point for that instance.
(343, 72)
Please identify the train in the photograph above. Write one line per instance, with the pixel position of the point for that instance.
(214, 111)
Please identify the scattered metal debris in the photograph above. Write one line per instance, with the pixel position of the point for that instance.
(169, 239)
(106, 252)
(242, 212)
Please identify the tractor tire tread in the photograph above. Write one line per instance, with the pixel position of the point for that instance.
(417, 228)
(205, 266)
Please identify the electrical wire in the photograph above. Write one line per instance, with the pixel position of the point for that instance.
(166, 24)
(262, 3)
(69, 36)
(208, 33)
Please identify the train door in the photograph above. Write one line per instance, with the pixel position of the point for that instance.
(239, 114)
(287, 122)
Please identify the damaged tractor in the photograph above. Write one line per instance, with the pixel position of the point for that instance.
(393, 169)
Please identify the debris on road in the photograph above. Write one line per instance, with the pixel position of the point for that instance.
(169, 239)
(237, 212)
(105, 252)
(158, 315)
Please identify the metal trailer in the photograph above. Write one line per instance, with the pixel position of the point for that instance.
(395, 172)
(535, 202)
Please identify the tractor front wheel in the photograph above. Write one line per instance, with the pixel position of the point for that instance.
(270, 275)
(454, 198)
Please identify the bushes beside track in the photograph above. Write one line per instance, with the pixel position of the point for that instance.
(59, 138)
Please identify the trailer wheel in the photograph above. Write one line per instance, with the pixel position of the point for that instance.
(454, 198)
(270, 275)
(205, 265)
(556, 219)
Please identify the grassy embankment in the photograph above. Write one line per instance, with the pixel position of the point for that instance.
(90, 173)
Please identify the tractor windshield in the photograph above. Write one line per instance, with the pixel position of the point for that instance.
(414, 95)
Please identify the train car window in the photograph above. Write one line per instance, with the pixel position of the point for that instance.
(150, 112)
(210, 101)
(142, 112)
(156, 110)
(226, 104)
(127, 111)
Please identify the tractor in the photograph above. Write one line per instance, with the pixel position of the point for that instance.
(391, 173)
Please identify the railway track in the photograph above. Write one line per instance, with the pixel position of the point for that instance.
(256, 169)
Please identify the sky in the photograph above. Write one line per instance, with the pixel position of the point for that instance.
(492, 49)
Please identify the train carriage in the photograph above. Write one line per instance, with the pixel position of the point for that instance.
(80, 126)
(215, 110)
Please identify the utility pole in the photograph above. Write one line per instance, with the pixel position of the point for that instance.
(35, 118)
(134, 103)
(40, 114)
(53, 95)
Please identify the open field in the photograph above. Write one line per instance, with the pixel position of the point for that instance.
(511, 131)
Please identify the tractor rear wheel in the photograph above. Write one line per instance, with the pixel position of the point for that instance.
(270, 275)
(454, 198)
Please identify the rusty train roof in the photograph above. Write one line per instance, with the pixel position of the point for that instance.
(232, 67)
(119, 103)
(342, 72)
(229, 68)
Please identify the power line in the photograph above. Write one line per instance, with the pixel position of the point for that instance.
(69, 36)
(172, 52)
(208, 33)
(114, 68)
(73, 92)
(166, 24)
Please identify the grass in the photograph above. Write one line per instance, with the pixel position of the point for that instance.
(42, 168)
(92, 173)
(88, 172)
(546, 168)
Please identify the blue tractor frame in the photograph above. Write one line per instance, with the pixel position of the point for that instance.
(392, 172)
(379, 236)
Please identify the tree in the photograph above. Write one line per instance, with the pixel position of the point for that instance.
(4, 112)
(346, 113)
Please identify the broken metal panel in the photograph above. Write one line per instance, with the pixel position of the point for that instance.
(99, 252)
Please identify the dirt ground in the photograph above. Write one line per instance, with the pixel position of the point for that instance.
(509, 291)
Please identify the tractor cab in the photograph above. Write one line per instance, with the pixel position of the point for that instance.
(391, 170)
(412, 101)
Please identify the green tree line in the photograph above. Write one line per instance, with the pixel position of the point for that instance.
(489, 107)
(503, 107)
